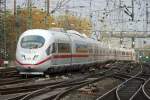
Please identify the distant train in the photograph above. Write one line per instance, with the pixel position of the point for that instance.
(44, 51)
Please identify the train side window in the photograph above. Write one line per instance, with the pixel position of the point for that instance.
(82, 48)
(123, 53)
(64, 48)
(48, 50)
(54, 48)
(101, 52)
(90, 49)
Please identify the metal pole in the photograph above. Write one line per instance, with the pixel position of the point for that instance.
(47, 4)
(66, 20)
(18, 21)
(29, 14)
(91, 15)
(146, 27)
(132, 10)
(5, 45)
(14, 7)
(2, 29)
(133, 42)
(121, 34)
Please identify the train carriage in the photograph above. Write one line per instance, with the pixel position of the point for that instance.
(44, 51)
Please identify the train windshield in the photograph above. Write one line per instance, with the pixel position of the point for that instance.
(32, 42)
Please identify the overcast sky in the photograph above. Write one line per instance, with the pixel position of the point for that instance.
(113, 18)
(98, 6)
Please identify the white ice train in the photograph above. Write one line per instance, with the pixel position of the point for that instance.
(44, 51)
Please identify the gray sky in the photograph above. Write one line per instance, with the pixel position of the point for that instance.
(106, 10)
(97, 9)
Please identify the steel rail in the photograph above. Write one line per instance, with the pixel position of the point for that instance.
(135, 77)
(143, 89)
(71, 82)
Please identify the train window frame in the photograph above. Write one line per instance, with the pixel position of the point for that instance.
(54, 47)
(48, 50)
(104, 51)
(82, 48)
(32, 39)
(100, 51)
(60, 45)
(90, 50)
(123, 52)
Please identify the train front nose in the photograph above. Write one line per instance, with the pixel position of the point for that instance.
(27, 63)
(35, 63)
(30, 53)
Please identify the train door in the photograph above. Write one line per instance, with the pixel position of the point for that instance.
(64, 53)
(90, 52)
(61, 53)
(115, 54)
(70, 60)
(94, 53)
(54, 53)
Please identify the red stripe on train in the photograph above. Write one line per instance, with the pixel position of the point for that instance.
(55, 57)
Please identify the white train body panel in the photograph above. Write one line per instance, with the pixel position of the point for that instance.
(40, 51)
(30, 59)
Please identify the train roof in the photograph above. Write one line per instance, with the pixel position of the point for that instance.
(40, 32)
(61, 35)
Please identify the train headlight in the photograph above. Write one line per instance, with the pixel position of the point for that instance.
(23, 56)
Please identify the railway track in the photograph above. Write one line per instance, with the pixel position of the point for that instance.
(56, 88)
(53, 90)
(27, 86)
(142, 94)
(30, 86)
(47, 90)
(116, 92)
(20, 90)
(15, 80)
(8, 73)
(128, 89)
(116, 76)
(132, 89)
(146, 89)
(58, 95)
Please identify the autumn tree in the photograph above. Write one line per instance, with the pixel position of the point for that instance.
(82, 25)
